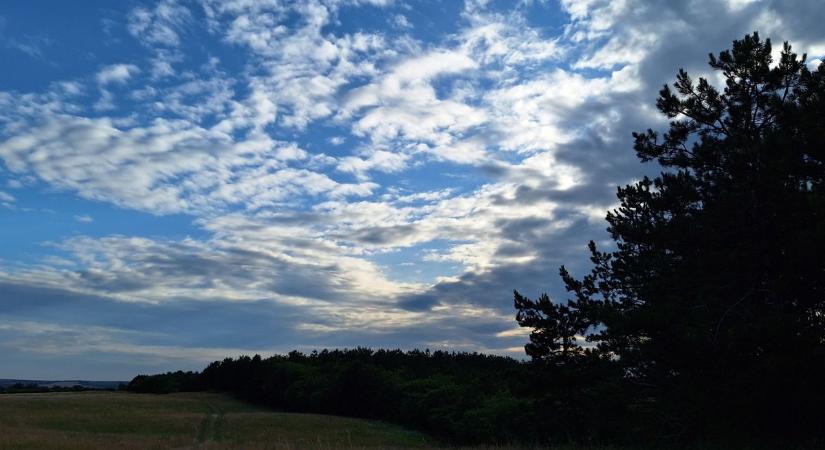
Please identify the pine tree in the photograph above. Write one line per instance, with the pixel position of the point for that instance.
(713, 299)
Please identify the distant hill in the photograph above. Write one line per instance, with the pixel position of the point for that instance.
(86, 384)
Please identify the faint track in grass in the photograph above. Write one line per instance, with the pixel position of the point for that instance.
(210, 426)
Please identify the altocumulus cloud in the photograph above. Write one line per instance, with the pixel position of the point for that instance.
(273, 175)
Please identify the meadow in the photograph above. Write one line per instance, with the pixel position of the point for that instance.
(120, 420)
(92, 420)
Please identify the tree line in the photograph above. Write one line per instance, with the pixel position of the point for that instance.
(34, 388)
(460, 397)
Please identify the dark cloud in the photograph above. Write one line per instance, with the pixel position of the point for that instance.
(381, 235)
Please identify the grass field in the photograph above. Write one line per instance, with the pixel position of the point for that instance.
(128, 421)
(122, 421)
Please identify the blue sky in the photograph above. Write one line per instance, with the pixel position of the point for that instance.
(183, 180)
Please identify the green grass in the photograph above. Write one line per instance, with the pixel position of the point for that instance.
(123, 421)
(127, 421)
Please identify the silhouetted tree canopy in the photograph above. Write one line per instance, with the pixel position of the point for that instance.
(461, 397)
(711, 306)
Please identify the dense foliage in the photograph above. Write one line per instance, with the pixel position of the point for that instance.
(464, 397)
(711, 307)
(167, 383)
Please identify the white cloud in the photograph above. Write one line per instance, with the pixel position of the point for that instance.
(739, 4)
(302, 69)
(424, 68)
(246, 260)
(401, 21)
(426, 196)
(409, 79)
(168, 166)
(116, 73)
(403, 104)
(380, 160)
(507, 43)
(531, 115)
(159, 25)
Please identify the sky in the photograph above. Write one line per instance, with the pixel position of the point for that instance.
(185, 180)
